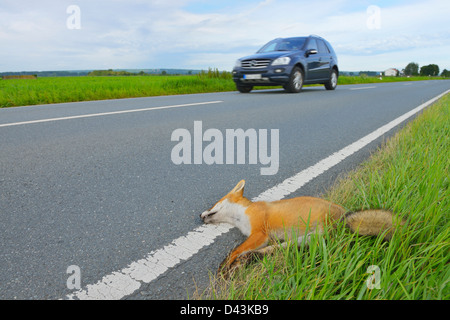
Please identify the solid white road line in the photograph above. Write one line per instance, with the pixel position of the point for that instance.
(125, 282)
(108, 113)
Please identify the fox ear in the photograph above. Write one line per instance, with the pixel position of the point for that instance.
(239, 187)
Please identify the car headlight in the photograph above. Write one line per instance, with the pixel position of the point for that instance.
(281, 61)
(237, 64)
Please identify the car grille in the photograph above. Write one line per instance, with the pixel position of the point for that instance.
(255, 64)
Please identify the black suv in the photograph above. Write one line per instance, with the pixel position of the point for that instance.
(289, 62)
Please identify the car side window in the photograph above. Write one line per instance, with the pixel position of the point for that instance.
(322, 47)
(312, 44)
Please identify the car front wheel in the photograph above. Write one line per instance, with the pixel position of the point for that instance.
(296, 79)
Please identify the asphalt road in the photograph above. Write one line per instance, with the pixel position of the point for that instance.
(102, 191)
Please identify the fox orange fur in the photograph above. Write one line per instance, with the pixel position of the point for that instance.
(262, 221)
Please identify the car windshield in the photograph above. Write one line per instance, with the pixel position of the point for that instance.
(289, 44)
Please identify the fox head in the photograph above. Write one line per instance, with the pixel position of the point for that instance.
(227, 208)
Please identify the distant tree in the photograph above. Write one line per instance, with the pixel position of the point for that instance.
(436, 69)
(164, 72)
(429, 70)
(412, 69)
(425, 71)
(445, 73)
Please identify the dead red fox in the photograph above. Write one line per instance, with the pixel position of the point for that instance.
(262, 221)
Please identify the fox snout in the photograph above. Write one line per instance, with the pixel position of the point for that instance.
(206, 216)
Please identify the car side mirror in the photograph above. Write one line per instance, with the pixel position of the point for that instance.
(310, 52)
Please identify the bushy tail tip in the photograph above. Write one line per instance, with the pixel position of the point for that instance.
(373, 222)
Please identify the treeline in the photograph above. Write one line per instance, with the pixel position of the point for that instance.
(46, 73)
(110, 72)
(214, 74)
(412, 69)
(150, 72)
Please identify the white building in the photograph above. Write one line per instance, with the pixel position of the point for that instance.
(392, 72)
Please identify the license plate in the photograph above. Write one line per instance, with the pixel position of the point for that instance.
(252, 76)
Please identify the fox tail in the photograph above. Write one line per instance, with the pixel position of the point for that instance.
(373, 222)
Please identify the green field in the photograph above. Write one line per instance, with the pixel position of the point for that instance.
(25, 92)
(70, 89)
(410, 175)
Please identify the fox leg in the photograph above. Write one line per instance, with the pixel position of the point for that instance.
(249, 255)
(305, 239)
(253, 242)
(269, 249)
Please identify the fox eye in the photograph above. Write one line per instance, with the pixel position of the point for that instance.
(212, 213)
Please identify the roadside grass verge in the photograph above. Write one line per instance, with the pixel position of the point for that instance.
(409, 174)
(24, 92)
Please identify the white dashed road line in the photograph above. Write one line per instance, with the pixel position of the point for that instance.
(108, 113)
(362, 88)
(125, 282)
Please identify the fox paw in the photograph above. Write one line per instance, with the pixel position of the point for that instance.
(227, 268)
(250, 257)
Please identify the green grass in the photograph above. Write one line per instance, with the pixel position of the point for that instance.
(69, 89)
(25, 92)
(409, 175)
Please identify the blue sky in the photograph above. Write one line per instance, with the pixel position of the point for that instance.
(197, 34)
